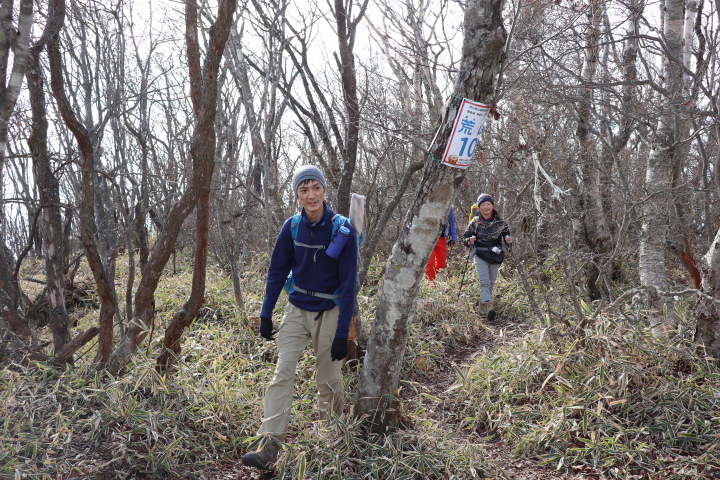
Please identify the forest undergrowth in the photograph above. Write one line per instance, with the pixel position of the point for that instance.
(530, 396)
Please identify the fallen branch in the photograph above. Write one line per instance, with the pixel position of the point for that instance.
(644, 288)
(66, 352)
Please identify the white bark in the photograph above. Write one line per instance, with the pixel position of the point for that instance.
(18, 41)
(711, 266)
(707, 311)
(21, 44)
(654, 230)
(691, 9)
(482, 52)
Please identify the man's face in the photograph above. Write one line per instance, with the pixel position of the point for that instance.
(311, 195)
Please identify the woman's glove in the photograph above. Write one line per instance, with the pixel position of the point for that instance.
(266, 326)
(338, 351)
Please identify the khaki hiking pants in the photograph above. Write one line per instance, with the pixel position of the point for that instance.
(299, 327)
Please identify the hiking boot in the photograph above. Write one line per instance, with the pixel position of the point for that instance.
(265, 458)
(491, 314)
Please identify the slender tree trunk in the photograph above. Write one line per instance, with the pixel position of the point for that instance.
(346, 39)
(691, 10)
(12, 323)
(377, 391)
(203, 151)
(654, 230)
(203, 92)
(590, 228)
(17, 41)
(49, 187)
(88, 228)
(679, 236)
(184, 318)
(261, 151)
(617, 141)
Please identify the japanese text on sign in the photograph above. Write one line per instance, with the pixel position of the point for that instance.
(468, 126)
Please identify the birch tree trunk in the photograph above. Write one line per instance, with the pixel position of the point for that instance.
(654, 230)
(691, 10)
(591, 227)
(17, 41)
(707, 310)
(680, 237)
(14, 327)
(377, 392)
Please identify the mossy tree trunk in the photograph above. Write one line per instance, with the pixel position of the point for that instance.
(481, 58)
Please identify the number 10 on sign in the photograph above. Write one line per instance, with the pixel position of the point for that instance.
(468, 126)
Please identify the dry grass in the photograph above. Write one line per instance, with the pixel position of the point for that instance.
(610, 400)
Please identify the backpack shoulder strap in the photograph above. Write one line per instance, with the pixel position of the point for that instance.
(337, 220)
(476, 224)
(294, 225)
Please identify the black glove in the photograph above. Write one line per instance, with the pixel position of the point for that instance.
(266, 327)
(450, 243)
(338, 351)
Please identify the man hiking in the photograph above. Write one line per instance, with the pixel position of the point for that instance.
(319, 250)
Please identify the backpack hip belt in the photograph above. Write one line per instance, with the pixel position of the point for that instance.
(314, 294)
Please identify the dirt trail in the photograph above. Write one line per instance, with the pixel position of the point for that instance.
(504, 463)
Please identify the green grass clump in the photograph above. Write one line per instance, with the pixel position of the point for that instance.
(614, 399)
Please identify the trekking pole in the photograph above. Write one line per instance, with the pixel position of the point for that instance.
(464, 272)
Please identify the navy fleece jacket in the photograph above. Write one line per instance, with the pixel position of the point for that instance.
(313, 270)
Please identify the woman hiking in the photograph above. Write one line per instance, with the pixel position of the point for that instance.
(486, 233)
